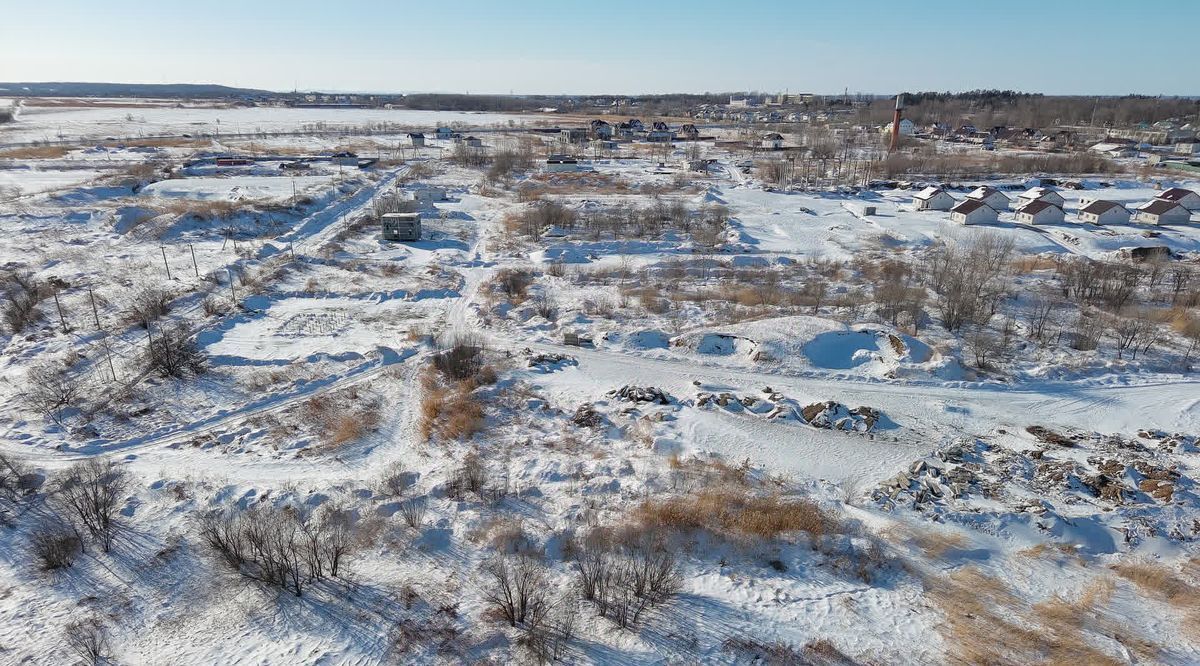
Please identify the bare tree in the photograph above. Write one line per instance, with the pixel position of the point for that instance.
(92, 493)
(968, 277)
(148, 304)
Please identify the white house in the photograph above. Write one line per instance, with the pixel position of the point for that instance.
(1039, 211)
(1187, 148)
(1186, 198)
(772, 141)
(1114, 149)
(1040, 194)
(444, 133)
(907, 128)
(474, 142)
(973, 211)
(1104, 212)
(1163, 212)
(991, 196)
(932, 198)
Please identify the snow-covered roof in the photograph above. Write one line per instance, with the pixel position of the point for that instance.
(929, 193)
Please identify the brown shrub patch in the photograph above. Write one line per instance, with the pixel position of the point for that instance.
(737, 512)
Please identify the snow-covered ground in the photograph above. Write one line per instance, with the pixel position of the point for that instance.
(1023, 511)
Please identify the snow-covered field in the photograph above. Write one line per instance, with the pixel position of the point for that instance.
(826, 481)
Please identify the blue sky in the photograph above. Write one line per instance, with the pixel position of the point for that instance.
(611, 46)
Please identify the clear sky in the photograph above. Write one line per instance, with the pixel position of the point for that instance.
(611, 46)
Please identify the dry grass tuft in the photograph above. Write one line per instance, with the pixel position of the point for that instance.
(449, 411)
(35, 152)
(737, 512)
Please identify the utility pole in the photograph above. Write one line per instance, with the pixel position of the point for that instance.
(58, 305)
(195, 266)
(165, 265)
(95, 312)
(231, 289)
(108, 353)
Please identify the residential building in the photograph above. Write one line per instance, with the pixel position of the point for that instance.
(932, 198)
(1186, 198)
(417, 138)
(973, 211)
(561, 164)
(1039, 211)
(1040, 194)
(1163, 212)
(772, 141)
(991, 196)
(1104, 212)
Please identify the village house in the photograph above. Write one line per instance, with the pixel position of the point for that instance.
(973, 211)
(1159, 211)
(1040, 194)
(660, 133)
(1104, 212)
(417, 138)
(932, 198)
(1186, 198)
(772, 141)
(1039, 211)
(601, 129)
(689, 132)
(473, 142)
(1115, 150)
(401, 226)
(428, 194)
(344, 158)
(991, 196)
(907, 128)
(444, 133)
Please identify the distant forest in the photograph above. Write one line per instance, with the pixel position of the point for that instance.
(988, 108)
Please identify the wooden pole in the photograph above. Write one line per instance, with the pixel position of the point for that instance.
(58, 305)
(231, 289)
(195, 266)
(165, 265)
(108, 353)
(95, 312)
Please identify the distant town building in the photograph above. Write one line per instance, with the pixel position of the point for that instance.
(601, 129)
(689, 132)
(561, 164)
(772, 141)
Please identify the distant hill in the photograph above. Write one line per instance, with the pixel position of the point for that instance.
(69, 89)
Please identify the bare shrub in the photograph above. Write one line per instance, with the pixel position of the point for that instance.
(282, 547)
(624, 571)
(460, 356)
(471, 476)
(51, 388)
(148, 304)
(16, 483)
(513, 283)
(92, 492)
(412, 510)
(55, 545)
(518, 588)
(174, 353)
(394, 480)
(88, 640)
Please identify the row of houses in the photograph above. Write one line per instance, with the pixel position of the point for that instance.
(602, 130)
(1042, 205)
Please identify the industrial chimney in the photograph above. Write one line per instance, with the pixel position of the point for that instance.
(896, 123)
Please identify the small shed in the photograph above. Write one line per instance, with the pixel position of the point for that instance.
(444, 133)
(417, 138)
(401, 226)
(344, 159)
(932, 198)
(1104, 212)
(991, 196)
(473, 142)
(973, 211)
(1039, 211)
(1160, 211)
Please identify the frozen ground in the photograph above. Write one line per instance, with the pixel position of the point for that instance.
(960, 529)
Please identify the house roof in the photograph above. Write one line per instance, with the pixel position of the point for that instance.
(1037, 192)
(1159, 206)
(929, 193)
(985, 192)
(1174, 194)
(1036, 206)
(773, 136)
(969, 206)
(1098, 207)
